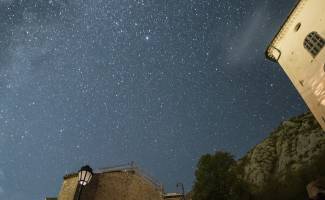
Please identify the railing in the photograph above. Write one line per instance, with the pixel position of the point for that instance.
(149, 177)
(115, 168)
(131, 167)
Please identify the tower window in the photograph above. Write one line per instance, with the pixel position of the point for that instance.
(314, 43)
(297, 27)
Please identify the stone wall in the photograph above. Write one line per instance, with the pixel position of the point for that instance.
(68, 188)
(175, 198)
(114, 185)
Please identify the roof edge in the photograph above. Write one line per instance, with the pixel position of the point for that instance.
(71, 175)
(278, 34)
(171, 195)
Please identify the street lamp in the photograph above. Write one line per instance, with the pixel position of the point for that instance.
(84, 176)
(182, 186)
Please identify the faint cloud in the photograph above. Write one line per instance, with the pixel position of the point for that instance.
(6, 1)
(2, 175)
(2, 178)
(15, 196)
(23, 50)
(244, 44)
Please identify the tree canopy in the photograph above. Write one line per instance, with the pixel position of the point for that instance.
(214, 177)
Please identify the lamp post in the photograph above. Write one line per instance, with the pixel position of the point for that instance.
(84, 176)
(182, 186)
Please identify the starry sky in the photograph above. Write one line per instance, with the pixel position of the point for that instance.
(158, 82)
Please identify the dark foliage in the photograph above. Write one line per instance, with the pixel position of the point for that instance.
(216, 178)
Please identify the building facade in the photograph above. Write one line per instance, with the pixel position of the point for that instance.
(299, 49)
(118, 183)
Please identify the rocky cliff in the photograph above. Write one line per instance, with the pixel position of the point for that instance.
(291, 146)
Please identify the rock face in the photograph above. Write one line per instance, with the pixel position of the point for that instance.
(291, 146)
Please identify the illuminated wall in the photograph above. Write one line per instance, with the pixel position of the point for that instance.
(302, 59)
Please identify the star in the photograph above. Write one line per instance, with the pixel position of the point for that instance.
(158, 82)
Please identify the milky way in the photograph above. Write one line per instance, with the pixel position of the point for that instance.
(156, 82)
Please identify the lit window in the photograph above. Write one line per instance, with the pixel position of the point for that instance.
(314, 43)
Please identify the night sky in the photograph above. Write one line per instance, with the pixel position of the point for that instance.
(158, 82)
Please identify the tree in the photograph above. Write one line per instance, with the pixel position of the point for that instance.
(215, 179)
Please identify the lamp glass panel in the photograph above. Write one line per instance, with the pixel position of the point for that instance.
(81, 175)
(84, 174)
(88, 177)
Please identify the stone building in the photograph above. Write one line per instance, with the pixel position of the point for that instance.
(299, 48)
(116, 183)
